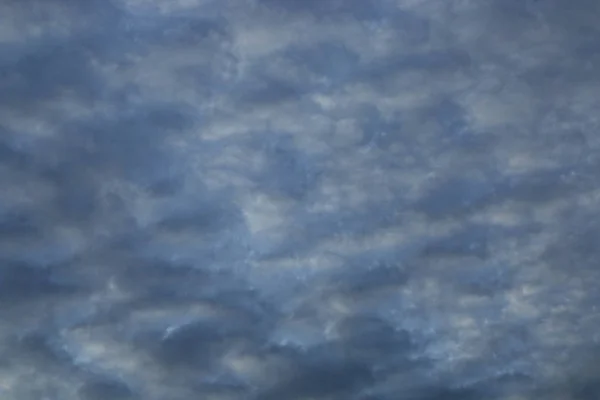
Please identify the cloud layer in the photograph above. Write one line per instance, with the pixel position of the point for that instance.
(270, 199)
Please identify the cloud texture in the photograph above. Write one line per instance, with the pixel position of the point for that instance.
(294, 199)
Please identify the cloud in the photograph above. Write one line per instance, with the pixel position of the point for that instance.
(266, 199)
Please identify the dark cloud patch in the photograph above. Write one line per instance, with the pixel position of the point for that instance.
(375, 341)
(168, 185)
(132, 146)
(16, 223)
(47, 71)
(56, 66)
(321, 372)
(185, 31)
(509, 341)
(207, 215)
(469, 241)
(379, 72)
(155, 281)
(296, 173)
(100, 387)
(134, 138)
(486, 280)
(378, 131)
(450, 116)
(88, 154)
(77, 195)
(44, 346)
(94, 12)
(20, 281)
(223, 385)
(264, 90)
(149, 277)
(11, 154)
(575, 244)
(587, 390)
(544, 185)
(360, 10)
(196, 344)
(316, 227)
(329, 60)
(455, 132)
(449, 393)
(411, 27)
(371, 275)
(456, 196)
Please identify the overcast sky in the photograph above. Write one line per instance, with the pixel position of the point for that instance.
(293, 199)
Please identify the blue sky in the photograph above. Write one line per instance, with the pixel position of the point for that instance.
(264, 199)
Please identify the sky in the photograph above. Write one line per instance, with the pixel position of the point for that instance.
(299, 199)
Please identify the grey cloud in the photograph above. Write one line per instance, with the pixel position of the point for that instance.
(289, 199)
(361, 10)
(45, 70)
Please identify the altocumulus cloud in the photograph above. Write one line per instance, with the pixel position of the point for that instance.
(266, 199)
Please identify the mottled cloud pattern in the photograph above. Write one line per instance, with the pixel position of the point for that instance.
(299, 199)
